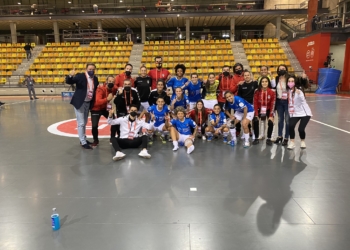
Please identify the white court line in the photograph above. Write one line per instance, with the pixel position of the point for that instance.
(342, 130)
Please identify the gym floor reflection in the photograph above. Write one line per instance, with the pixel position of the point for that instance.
(216, 198)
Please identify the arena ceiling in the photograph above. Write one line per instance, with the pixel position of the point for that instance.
(109, 23)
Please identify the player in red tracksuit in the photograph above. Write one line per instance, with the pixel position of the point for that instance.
(264, 106)
(101, 106)
(119, 79)
(159, 73)
(225, 84)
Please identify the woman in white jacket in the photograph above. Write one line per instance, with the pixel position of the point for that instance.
(298, 110)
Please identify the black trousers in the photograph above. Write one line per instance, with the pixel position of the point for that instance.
(115, 129)
(95, 119)
(269, 125)
(121, 143)
(301, 129)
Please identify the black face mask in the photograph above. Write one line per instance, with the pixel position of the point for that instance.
(225, 73)
(127, 88)
(133, 113)
(159, 65)
(281, 72)
(128, 73)
(239, 72)
(110, 85)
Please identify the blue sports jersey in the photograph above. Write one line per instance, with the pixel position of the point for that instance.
(159, 115)
(222, 121)
(194, 91)
(239, 104)
(184, 128)
(183, 102)
(175, 83)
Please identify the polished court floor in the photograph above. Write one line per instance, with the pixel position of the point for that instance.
(217, 198)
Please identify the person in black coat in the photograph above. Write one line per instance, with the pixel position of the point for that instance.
(83, 98)
(123, 100)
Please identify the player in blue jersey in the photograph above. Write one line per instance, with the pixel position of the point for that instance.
(217, 124)
(181, 130)
(159, 113)
(178, 80)
(195, 89)
(244, 112)
(179, 100)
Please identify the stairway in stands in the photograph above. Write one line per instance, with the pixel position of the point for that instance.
(20, 72)
(135, 58)
(291, 57)
(239, 55)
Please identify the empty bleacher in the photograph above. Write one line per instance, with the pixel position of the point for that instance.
(201, 56)
(11, 56)
(265, 52)
(57, 59)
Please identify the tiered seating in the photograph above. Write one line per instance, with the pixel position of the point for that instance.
(201, 56)
(57, 59)
(11, 56)
(265, 52)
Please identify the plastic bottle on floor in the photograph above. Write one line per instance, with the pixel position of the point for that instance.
(55, 220)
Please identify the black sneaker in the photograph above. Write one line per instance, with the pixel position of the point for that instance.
(87, 146)
(278, 140)
(269, 142)
(36, 98)
(256, 141)
(31, 99)
(88, 142)
(285, 142)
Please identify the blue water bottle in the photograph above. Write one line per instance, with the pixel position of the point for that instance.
(55, 220)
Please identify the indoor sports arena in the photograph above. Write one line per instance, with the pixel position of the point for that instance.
(175, 125)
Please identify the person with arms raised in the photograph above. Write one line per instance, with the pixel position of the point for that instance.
(83, 98)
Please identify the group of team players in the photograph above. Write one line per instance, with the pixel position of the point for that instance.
(181, 109)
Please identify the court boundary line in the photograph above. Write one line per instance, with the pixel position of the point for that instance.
(325, 124)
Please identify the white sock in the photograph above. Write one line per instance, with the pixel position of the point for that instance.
(176, 144)
(246, 137)
(233, 134)
(190, 149)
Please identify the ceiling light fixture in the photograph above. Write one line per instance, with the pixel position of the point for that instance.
(83, 11)
(19, 3)
(121, 1)
(69, 2)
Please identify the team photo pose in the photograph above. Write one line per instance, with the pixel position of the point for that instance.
(160, 112)
(225, 84)
(102, 106)
(119, 79)
(211, 88)
(180, 130)
(179, 80)
(160, 91)
(200, 116)
(143, 85)
(195, 90)
(264, 105)
(282, 104)
(244, 113)
(217, 125)
(298, 110)
(158, 73)
(180, 99)
(129, 136)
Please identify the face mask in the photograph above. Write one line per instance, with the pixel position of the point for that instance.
(127, 88)
(238, 72)
(128, 73)
(91, 73)
(110, 85)
(282, 72)
(159, 66)
(225, 73)
(291, 85)
(133, 113)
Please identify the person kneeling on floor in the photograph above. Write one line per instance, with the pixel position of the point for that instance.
(129, 137)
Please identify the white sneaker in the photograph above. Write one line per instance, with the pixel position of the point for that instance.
(175, 148)
(302, 145)
(144, 153)
(118, 156)
(261, 137)
(242, 136)
(246, 144)
(291, 145)
(190, 149)
(204, 138)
